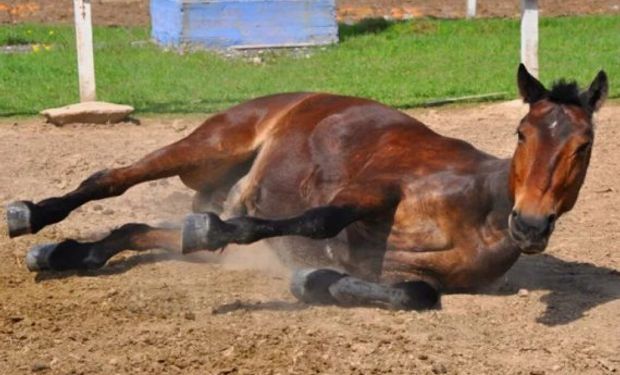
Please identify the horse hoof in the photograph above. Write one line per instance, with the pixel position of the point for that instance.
(37, 258)
(312, 285)
(201, 232)
(18, 219)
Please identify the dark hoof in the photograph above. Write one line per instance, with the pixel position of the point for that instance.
(68, 255)
(312, 285)
(202, 232)
(18, 216)
(38, 257)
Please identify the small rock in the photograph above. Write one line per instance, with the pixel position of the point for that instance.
(16, 319)
(113, 361)
(556, 368)
(422, 357)
(439, 368)
(108, 211)
(61, 183)
(40, 366)
(189, 315)
(178, 126)
(523, 292)
(229, 352)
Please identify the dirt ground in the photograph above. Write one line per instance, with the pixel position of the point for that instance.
(136, 12)
(232, 313)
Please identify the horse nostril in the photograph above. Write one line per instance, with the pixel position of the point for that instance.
(552, 218)
(514, 214)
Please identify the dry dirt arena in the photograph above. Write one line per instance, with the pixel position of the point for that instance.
(232, 313)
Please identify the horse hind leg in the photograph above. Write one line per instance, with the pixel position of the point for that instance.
(194, 158)
(26, 217)
(73, 255)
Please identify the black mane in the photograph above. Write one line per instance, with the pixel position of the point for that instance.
(563, 92)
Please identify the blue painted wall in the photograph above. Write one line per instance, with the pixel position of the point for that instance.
(244, 23)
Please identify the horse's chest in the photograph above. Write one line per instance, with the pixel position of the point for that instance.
(420, 233)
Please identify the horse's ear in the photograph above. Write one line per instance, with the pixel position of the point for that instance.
(530, 88)
(595, 96)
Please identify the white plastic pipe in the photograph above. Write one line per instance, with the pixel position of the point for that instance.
(529, 35)
(84, 44)
(471, 8)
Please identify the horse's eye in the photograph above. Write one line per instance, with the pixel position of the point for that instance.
(520, 136)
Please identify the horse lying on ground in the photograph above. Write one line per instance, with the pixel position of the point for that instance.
(391, 212)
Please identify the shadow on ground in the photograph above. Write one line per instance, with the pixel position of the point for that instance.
(574, 287)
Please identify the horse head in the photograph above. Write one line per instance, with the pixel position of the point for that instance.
(553, 152)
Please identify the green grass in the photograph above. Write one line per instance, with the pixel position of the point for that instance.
(402, 64)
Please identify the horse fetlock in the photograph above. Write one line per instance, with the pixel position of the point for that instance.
(351, 291)
(19, 218)
(414, 295)
(203, 232)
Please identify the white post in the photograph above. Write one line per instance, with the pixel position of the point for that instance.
(84, 43)
(471, 8)
(529, 35)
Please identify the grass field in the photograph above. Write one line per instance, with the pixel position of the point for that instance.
(402, 64)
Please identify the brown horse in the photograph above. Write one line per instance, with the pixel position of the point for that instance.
(394, 212)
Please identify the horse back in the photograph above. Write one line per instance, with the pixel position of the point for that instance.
(324, 143)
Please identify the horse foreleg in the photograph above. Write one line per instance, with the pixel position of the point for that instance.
(208, 232)
(324, 286)
(74, 255)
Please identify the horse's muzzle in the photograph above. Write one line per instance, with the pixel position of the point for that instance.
(531, 233)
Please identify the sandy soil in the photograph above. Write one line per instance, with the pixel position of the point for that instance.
(136, 12)
(159, 313)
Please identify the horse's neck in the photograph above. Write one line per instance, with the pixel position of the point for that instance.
(497, 187)
(502, 251)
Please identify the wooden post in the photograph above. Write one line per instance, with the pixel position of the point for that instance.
(84, 43)
(529, 35)
(471, 8)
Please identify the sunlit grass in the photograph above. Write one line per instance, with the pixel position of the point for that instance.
(402, 64)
